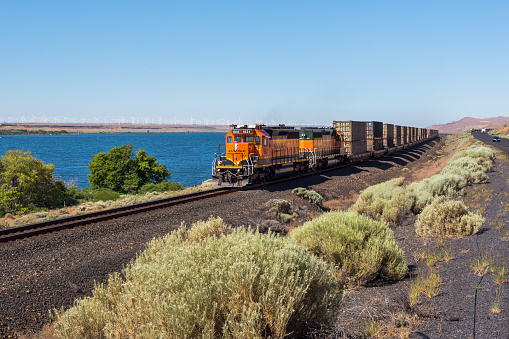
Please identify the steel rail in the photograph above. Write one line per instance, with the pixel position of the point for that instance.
(20, 232)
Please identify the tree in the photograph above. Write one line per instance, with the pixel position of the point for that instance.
(26, 182)
(122, 171)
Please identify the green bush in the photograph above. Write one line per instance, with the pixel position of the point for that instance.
(308, 195)
(447, 218)
(165, 186)
(242, 285)
(27, 184)
(360, 247)
(103, 194)
(122, 171)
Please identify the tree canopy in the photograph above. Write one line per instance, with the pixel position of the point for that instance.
(26, 182)
(122, 171)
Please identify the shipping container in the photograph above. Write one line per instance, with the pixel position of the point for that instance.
(397, 135)
(388, 135)
(351, 130)
(355, 147)
(375, 144)
(374, 129)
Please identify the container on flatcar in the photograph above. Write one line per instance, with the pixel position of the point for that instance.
(404, 135)
(355, 147)
(354, 134)
(374, 135)
(351, 130)
(388, 135)
(397, 135)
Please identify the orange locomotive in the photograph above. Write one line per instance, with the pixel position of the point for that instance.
(256, 153)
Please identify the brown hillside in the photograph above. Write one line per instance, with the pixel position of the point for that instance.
(469, 123)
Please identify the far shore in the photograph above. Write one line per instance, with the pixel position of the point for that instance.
(114, 128)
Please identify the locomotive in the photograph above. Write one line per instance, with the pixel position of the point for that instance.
(256, 153)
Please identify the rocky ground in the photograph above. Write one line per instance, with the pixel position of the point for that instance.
(51, 271)
(466, 304)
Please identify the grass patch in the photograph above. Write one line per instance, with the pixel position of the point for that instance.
(495, 306)
(481, 264)
(428, 286)
(361, 248)
(499, 272)
(241, 285)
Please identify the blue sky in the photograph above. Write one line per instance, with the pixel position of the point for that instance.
(412, 63)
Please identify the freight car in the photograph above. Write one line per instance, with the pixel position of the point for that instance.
(256, 153)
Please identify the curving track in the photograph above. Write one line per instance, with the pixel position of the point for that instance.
(25, 231)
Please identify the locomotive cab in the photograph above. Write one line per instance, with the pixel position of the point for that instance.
(245, 145)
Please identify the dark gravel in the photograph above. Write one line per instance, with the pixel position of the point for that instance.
(463, 307)
(51, 271)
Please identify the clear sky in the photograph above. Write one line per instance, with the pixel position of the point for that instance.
(412, 63)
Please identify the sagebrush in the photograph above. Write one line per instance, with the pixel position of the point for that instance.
(360, 247)
(308, 195)
(240, 285)
(447, 218)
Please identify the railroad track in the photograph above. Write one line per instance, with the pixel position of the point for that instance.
(21, 232)
(25, 231)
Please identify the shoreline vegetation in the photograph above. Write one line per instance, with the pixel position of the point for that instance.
(32, 132)
(90, 128)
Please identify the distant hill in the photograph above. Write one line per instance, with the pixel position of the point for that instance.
(469, 123)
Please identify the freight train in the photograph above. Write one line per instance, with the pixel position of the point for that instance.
(257, 153)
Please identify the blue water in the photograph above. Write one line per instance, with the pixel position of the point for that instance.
(188, 156)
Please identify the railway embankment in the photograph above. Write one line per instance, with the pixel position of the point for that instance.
(51, 271)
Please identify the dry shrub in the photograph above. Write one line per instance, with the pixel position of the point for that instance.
(341, 203)
(447, 218)
(482, 154)
(214, 227)
(360, 247)
(282, 209)
(278, 206)
(308, 195)
(391, 199)
(468, 168)
(448, 184)
(241, 285)
(385, 201)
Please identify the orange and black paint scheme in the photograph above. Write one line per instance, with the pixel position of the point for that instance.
(255, 153)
